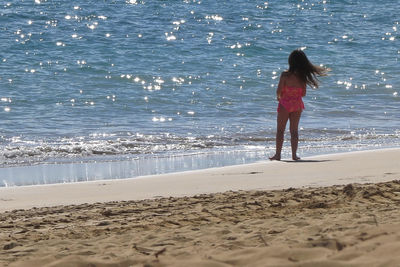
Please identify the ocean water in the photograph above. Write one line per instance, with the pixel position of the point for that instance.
(115, 89)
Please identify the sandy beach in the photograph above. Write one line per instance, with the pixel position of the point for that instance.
(330, 210)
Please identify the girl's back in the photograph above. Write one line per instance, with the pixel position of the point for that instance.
(293, 81)
(291, 92)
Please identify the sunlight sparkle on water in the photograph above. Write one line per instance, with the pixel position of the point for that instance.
(93, 26)
(214, 17)
(170, 37)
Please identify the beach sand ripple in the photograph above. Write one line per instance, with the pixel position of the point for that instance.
(352, 225)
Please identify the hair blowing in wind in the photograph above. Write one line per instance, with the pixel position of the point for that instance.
(306, 71)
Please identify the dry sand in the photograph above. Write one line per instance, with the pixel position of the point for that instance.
(324, 225)
(358, 167)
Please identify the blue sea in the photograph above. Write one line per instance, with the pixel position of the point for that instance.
(115, 89)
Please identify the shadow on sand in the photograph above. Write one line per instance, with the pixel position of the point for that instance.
(306, 161)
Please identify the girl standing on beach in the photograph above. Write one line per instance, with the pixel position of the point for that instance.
(291, 89)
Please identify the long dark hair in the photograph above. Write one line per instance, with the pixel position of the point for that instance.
(306, 71)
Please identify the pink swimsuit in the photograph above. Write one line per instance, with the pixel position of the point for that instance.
(291, 99)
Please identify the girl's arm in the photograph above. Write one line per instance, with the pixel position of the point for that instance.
(280, 85)
(304, 90)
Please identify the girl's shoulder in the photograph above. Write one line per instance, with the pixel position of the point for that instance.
(285, 75)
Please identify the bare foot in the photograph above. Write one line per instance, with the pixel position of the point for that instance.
(295, 157)
(275, 158)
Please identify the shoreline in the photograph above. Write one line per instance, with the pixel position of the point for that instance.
(102, 170)
(369, 166)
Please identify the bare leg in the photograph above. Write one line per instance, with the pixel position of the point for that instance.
(294, 118)
(282, 119)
